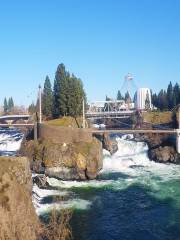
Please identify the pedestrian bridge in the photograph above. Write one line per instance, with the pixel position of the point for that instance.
(13, 119)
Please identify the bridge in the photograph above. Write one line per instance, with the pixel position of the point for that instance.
(132, 131)
(13, 119)
(155, 131)
(109, 109)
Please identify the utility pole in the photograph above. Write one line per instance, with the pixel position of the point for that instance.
(84, 123)
(40, 105)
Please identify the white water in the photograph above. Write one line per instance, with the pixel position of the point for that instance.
(10, 141)
(130, 162)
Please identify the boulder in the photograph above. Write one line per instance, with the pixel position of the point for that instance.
(40, 181)
(164, 154)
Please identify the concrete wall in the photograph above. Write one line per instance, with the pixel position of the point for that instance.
(63, 134)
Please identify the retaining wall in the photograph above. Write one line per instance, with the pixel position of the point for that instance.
(59, 134)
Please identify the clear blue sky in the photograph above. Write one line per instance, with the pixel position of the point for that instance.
(98, 40)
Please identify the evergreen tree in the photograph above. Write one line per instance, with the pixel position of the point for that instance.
(147, 101)
(60, 92)
(155, 100)
(127, 97)
(68, 94)
(47, 98)
(176, 95)
(162, 100)
(10, 104)
(119, 95)
(32, 108)
(170, 96)
(5, 106)
(75, 96)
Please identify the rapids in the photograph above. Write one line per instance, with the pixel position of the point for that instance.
(133, 197)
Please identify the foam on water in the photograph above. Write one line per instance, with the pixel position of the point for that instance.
(78, 184)
(132, 164)
(10, 141)
(41, 208)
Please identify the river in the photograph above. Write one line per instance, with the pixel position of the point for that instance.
(133, 197)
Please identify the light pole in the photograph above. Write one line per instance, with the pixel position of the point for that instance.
(40, 105)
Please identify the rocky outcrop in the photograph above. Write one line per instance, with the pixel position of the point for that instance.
(18, 218)
(79, 161)
(108, 143)
(161, 148)
(164, 154)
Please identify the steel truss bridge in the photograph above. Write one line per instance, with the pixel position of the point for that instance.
(109, 109)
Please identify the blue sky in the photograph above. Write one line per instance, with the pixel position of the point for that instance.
(100, 41)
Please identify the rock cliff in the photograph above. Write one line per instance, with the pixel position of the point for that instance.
(18, 218)
(161, 148)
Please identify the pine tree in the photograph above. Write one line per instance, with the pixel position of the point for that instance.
(127, 97)
(60, 95)
(147, 101)
(155, 100)
(75, 96)
(176, 95)
(10, 104)
(32, 108)
(47, 98)
(170, 96)
(5, 106)
(119, 95)
(162, 100)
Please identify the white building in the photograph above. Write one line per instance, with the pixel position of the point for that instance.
(143, 99)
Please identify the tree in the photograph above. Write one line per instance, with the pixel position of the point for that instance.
(32, 108)
(68, 94)
(10, 104)
(119, 95)
(47, 100)
(155, 100)
(5, 106)
(176, 95)
(75, 97)
(127, 97)
(60, 94)
(147, 101)
(170, 96)
(162, 100)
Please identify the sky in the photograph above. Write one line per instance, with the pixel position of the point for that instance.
(100, 41)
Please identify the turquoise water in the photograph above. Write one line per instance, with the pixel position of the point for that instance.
(133, 198)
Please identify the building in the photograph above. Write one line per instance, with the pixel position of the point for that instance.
(143, 99)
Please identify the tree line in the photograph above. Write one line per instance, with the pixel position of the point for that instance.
(64, 98)
(165, 100)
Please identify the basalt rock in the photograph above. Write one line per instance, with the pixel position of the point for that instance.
(79, 161)
(41, 181)
(161, 148)
(164, 155)
(108, 143)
